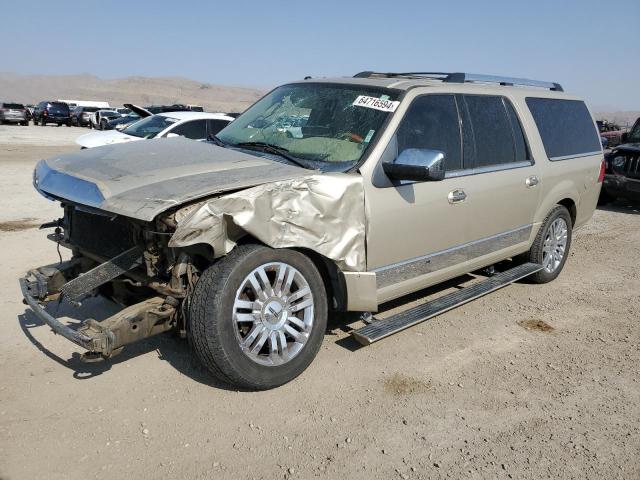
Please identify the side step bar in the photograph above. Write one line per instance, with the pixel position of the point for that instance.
(380, 329)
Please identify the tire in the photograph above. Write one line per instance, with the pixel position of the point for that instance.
(103, 125)
(216, 335)
(537, 253)
(25, 124)
(42, 122)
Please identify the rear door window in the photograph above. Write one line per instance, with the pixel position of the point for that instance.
(566, 127)
(493, 135)
(432, 123)
(195, 130)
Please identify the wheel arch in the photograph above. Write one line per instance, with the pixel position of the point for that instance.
(331, 277)
(570, 205)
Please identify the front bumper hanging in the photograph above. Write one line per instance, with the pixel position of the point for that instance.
(101, 338)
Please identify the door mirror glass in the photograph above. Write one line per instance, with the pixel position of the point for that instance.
(172, 135)
(416, 164)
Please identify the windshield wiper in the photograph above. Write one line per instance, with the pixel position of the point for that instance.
(270, 148)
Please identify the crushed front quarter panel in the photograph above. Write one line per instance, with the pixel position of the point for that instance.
(324, 213)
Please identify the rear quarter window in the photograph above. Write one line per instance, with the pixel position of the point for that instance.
(566, 127)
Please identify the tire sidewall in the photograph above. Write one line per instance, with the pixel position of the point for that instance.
(220, 328)
(537, 254)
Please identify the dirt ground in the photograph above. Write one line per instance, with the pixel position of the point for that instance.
(528, 382)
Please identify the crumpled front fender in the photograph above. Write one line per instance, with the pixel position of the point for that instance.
(323, 212)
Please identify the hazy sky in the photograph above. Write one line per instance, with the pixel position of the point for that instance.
(590, 47)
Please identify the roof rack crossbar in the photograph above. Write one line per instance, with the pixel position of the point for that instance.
(459, 77)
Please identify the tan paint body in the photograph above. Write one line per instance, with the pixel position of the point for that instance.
(367, 229)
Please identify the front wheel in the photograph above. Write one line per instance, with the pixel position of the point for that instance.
(257, 316)
(551, 246)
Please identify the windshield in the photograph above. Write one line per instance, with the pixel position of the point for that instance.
(149, 127)
(328, 125)
(634, 134)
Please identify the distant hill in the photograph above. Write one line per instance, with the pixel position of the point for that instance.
(623, 119)
(138, 90)
(165, 90)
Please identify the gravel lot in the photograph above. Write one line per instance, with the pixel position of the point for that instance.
(529, 382)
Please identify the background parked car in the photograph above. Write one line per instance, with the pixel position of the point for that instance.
(193, 125)
(13, 113)
(52, 112)
(81, 116)
(100, 118)
(622, 174)
(611, 131)
(122, 122)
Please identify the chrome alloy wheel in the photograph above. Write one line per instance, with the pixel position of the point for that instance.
(555, 244)
(273, 313)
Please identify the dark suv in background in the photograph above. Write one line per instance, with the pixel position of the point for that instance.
(13, 113)
(622, 175)
(52, 112)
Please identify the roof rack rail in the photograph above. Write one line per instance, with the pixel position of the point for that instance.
(459, 77)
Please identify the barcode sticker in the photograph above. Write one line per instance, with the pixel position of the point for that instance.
(376, 103)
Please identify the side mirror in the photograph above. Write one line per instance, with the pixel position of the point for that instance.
(172, 135)
(416, 164)
(624, 138)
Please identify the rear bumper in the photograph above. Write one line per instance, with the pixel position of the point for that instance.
(620, 186)
(56, 119)
(14, 118)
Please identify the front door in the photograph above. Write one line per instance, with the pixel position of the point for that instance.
(413, 226)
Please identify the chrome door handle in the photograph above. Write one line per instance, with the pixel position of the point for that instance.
(456, 196)
(532, 181)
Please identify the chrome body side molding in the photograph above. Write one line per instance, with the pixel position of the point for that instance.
(415, 267)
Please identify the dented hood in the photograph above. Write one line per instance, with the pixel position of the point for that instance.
(142, 179)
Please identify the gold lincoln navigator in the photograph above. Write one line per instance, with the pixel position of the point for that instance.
(326, 195)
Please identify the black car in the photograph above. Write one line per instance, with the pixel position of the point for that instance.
(80, 116)
(52, 112)
(622, 174)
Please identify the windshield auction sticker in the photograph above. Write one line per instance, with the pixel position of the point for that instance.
(376, 103)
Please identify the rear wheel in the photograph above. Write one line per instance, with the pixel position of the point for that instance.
(42, 122)
(103, 124)
(258, 316)
(551, 246)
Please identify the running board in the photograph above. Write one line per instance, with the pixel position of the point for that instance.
(380, 329)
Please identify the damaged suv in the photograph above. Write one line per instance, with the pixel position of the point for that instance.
(325, 195)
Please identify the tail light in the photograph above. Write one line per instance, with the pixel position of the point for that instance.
(602, 170)
(45, 113)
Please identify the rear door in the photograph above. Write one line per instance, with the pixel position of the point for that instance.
(504, 193)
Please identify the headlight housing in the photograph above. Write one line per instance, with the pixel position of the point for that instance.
(618, 162)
